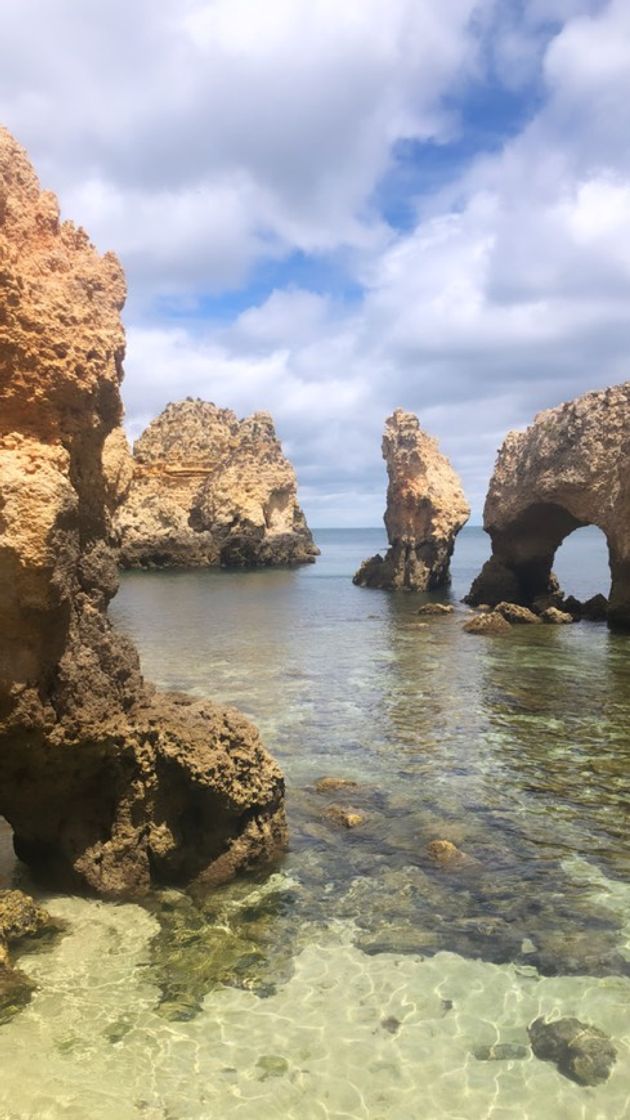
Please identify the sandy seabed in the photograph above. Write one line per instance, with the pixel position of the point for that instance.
(348, 1037)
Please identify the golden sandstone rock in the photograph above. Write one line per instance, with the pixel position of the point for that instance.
(570, 468)
(426, 508)
(209, 489)
(107, 784)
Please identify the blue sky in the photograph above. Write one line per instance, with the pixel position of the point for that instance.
(329, 211)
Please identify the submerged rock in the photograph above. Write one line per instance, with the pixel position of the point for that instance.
(345, 816)
(436, 608)
(244, 939)
(446, 854)
(581, 1052)
(502, 1052)
(570, 468)
(426, 508)
(16, 990)
(106, 783)
(328, 784)
(210, 489)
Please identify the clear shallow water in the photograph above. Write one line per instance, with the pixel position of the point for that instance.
(358, 979)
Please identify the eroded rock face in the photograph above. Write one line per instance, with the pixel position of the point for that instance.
(209, 489)
(426, 508)
(569, 469)
(107, 785)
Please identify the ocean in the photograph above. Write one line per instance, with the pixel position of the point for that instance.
(360, 979)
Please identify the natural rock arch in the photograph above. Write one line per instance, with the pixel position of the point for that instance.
(569, 469)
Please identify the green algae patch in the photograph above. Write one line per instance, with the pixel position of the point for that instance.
(241, 936)
(119, 1029)
(272, 1065)
(16, 990)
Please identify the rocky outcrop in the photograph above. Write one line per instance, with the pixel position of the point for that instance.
(569, 469)
(106, 784)
(426, 508)
(209, 489)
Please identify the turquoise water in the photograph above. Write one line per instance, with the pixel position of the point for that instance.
(359, 978)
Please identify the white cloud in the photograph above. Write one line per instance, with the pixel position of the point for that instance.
(209, 136)
(198, 137)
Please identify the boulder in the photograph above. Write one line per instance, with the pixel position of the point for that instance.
(436, 608)
(570, 468)
(581, 1052)
(209, 489)
(517, 615)
(595, 609)
(325, 785)
(21, 917)
(426, 508)
(107, 784)
(348, 818)
(446, 854)
(489, 623)
(555, 617)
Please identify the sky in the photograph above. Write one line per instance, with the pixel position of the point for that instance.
(329, 210)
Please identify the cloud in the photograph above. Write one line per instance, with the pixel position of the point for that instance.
(211, 137)
(199, 137)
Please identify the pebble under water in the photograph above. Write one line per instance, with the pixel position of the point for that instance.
(362, 978)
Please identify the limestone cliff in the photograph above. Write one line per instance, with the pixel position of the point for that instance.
(570, 468)
(426, 508)
(209, 489)
(106, 784)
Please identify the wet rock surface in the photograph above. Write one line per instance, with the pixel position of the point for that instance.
(554, 617)
(210, 490)
(426, 508)
(581, 1052)
(107, 784)
(516, 614)
(490, 622)
(436, 609)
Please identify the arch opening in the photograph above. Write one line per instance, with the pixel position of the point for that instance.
(582, 564)
(528, 565)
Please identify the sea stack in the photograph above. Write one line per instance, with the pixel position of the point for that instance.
(107, 784)
(209, 489)
(570, 468)
(426, 508)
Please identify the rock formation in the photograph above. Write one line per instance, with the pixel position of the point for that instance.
(209, 489)
(426, 508)
(570, 468)
(106, 784)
